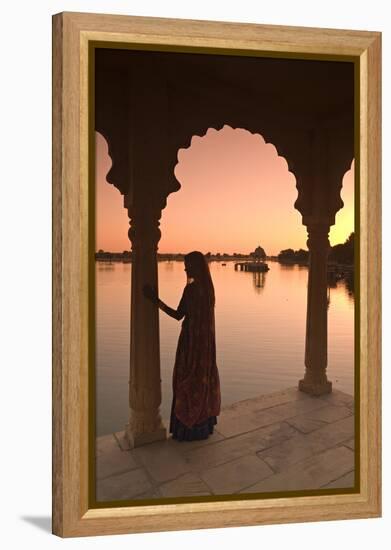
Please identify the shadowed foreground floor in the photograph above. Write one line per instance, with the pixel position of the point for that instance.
(281, 441)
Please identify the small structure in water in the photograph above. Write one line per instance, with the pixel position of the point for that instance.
(257, 265)
(252, 266)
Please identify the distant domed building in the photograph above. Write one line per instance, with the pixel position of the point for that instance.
(259, 254)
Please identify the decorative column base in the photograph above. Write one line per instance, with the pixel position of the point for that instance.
(144, 426)
(315, 388)
(137, 439)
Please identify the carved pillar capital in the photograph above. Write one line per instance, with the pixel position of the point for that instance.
(144, 231)
(318, 237)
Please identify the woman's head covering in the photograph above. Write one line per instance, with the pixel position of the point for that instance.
(199, 271)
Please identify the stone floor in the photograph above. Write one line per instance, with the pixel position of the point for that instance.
(281, 441)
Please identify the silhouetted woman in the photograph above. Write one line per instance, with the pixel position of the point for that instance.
(196, 384)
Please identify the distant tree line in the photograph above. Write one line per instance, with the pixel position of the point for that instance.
(113, 256)
(126, 255)
(343, 253)
(339, 253)
(295, 256)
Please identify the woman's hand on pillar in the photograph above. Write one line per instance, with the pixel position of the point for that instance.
(151, 293)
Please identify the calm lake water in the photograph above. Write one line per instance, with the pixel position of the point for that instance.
(260, 334)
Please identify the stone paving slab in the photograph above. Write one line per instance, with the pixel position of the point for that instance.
(302, 446)
(150, 494)
(343, 482)
(111, 460)
(318, 418)
(105, 444)
(232, 476)
(161, 459)
(350, 444)
(304, 424)
(331, 413)
(122, 441)
(294, 408)
(233, 422)
(188, 484)
(123, 486)
(338, 398)
(281, 440)
(265, 401)
(185, 447)
(311, 473)
(235, 447)
(243, 415)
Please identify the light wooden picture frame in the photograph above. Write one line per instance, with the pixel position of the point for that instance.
(74, 36)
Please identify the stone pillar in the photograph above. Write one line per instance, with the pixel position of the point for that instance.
(315, 380)
(145, 423)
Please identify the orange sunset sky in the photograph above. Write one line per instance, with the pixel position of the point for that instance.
(236, 194)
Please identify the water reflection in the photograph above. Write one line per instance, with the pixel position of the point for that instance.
(168, 265)
(259, 279)
(349, 284)
(287, 266)
(107, 266)
(260, 333)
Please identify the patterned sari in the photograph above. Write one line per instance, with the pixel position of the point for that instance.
(196, 384)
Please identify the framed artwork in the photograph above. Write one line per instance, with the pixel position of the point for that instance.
(216, 274)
